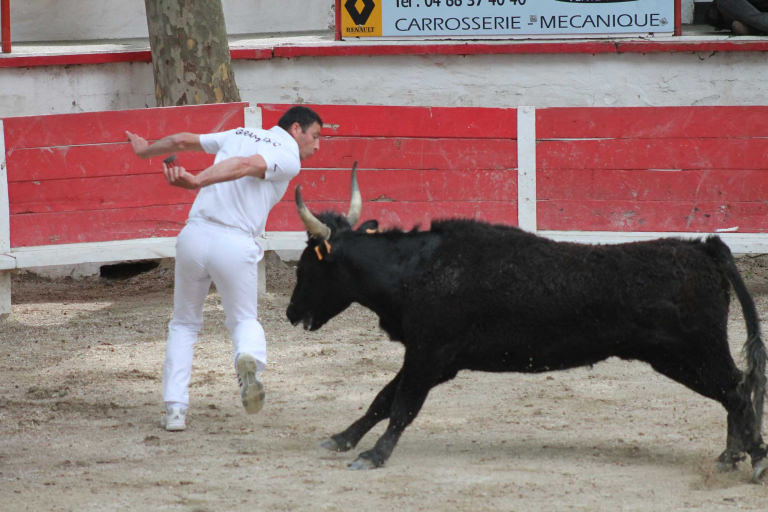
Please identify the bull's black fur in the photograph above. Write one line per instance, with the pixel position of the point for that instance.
(477, 296)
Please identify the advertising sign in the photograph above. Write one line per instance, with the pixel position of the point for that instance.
(508, 18)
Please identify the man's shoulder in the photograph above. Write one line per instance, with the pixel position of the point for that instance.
(280, 133)
(275, 137)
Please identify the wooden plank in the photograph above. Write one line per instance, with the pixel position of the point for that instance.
(526, 144)
(404, 215)
(589, 215)
(723, 153)
(335, 153)
(739, 243)
(95, 194)
(126, 250)
(403, 185)
(667, 169)
(83, 226)
(647, 185)
(100, 252)
(112, 192)
(397, 121)
(651, 122)
(110, 127)
(89, 161)
(412, 153)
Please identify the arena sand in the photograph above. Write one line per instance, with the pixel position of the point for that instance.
(80, 407)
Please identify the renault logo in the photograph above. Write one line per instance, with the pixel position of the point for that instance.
(359, 17)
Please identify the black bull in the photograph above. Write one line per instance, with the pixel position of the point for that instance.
(476, 296)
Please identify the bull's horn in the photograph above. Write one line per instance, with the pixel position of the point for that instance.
(356, 201)
(312, 223)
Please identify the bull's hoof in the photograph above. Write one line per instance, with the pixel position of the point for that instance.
(362, 463)
(729, 460)
(759, 470)
(335, 444)
(725, 467)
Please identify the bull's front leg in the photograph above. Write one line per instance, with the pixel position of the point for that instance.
(377, 411)
(414, 383)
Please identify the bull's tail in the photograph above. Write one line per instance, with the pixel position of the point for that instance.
(754, 349)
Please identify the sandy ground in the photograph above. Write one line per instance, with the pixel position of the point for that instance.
(80, 407)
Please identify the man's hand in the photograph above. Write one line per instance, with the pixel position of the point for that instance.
(139, 144)
(179, 177)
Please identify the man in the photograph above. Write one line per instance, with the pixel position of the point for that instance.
(742, 17)
(249, 175)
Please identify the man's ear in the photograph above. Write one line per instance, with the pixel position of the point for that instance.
(369, 226)
(295, 129)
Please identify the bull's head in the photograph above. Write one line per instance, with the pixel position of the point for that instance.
(322, 284)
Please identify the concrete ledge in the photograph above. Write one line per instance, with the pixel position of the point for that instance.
(246, 48)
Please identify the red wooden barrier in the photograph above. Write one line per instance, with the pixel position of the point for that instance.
(686, 169)
(415, 164)
(73, 177)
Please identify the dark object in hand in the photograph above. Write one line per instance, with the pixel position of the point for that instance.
(169, 160)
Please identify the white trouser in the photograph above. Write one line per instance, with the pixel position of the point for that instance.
(208, 252)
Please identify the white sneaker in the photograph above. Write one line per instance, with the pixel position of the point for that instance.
(174, 420)
(251, 389)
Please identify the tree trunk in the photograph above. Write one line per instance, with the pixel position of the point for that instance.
(190, 52)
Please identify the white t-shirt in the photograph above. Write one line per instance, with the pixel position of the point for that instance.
(244, 203)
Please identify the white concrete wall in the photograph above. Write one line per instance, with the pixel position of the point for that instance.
(725, 78)
(89, 88)
(75, 20)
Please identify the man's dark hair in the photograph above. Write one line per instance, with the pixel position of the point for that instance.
(305, 116)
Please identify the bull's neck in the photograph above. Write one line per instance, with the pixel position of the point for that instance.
(379, 266)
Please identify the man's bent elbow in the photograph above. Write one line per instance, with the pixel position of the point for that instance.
(185, 141)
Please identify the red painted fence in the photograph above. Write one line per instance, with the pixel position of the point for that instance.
(72, 178)
(685, 169)
(414, 164)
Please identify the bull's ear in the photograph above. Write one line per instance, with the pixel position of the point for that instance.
(323, 250)
(369, 226)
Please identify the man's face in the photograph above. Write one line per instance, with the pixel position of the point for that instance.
(308, 140)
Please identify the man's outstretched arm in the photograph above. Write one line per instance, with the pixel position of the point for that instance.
(171, 144)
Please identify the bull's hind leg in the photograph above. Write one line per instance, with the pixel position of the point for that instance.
(712, 373)
(734, 448)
